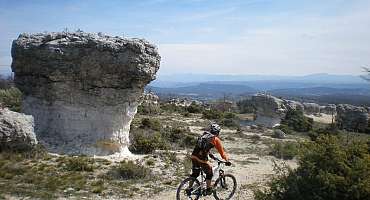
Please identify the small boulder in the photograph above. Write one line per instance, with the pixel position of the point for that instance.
(279, 134)
(16, 131)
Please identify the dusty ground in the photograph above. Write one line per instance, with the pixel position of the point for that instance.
(252, 166)
(248, 150)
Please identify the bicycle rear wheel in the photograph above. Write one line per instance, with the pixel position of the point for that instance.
(225, 187)
(192, 194)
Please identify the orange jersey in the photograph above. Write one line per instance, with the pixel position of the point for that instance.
(218, 145)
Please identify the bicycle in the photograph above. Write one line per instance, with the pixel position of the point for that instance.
(223, 183)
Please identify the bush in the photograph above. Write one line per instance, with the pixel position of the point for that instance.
(286, 151)
(153, 124)
(286, 129)
(172, 108)
(148, 109)
(78, 163)
(329, 168)
(231, 123)
(194, 108)
(11, 98)
(130, 170)
(296, 120)
(212, 114)
(180, 136)
(144, 142)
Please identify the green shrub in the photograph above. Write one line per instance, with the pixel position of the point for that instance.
(330, 168)
(171, 108)
(284, 150)
(212, 114)
(148, 109)
(194, 108)
(229, 115)
(179, 136)
(130, 170)
(153, 124)
(286, 129)
(144, 142)
(78, 163)
(11, 98)
(331, 129)
(296, 120)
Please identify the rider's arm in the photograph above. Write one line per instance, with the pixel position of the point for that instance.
(199, 160)
(218, 145)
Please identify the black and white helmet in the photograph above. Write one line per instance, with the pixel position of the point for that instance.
(214, 129)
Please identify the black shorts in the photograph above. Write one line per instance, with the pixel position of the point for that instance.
(197, 166)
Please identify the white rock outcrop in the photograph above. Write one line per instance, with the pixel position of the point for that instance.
(269, 109)
(82, 89)
(16, 131)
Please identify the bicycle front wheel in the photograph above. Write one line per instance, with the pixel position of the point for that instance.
(225, 187)
(185, 192)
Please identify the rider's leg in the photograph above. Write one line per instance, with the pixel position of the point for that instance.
(209, 175)
(195, 172)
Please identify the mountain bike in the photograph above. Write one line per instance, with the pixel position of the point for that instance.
(224, 186)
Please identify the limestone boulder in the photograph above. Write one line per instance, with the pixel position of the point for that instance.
(269, 109)
(279, 134)
(83, 89)
(16, 131)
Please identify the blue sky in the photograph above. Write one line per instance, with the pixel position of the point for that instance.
(279, 37)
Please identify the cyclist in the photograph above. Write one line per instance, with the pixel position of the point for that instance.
(200, 154)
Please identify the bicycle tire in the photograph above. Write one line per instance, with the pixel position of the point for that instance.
(218, 184)
(182, 184)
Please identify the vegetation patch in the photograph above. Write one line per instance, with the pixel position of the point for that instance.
(284, 150)
(130, 170)
(11, 98)
(330, 168)
(295, 120)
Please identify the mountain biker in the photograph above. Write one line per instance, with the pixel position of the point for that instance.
(199, 157)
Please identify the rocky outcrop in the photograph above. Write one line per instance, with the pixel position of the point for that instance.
(279, 134)
(329, 109)
(16, 131)
(269, 109)
(82, 89)
(311, 108)
(294, 105)
(352, 118)
(150, 99)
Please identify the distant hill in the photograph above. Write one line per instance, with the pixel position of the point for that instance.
(313, 78)
(210, 90)
(321, 88)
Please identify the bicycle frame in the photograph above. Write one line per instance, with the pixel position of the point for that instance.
(217, 172)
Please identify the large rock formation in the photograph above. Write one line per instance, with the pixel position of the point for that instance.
(311, 108)
(16, 131)
(329, 109)
(352, 118)
(269, 109)
(82, 89)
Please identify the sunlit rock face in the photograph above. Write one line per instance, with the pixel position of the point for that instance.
(82, 89)
(269, 109)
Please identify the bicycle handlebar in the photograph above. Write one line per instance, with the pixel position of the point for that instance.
(218, 160)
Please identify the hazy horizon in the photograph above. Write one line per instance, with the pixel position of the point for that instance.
(249, 37)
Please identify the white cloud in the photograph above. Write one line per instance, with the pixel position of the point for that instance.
(293, 45)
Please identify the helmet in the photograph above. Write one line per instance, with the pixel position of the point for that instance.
(214, 129)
